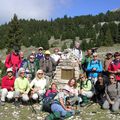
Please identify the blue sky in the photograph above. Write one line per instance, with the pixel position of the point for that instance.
(47, 9)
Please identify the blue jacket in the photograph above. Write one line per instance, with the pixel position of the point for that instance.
(94, 64)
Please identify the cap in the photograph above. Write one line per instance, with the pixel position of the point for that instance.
(9, 70)
(95, 54)
(47, 52)
(109, 53)
(40, 48)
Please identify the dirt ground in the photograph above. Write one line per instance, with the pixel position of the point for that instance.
(90, 112)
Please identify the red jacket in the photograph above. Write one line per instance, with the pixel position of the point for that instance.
(14, 61)
(114, 66)
(8, 83)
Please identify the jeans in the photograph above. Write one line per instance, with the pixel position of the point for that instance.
(58, 108)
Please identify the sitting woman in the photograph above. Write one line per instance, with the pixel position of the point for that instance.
(48, 97)
(112, 92)
(59, 108)
(85, 89)
(38, 85)
(100, 89)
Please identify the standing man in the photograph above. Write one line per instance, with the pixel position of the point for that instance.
(13, 60)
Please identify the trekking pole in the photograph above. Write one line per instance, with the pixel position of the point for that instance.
(33, 109)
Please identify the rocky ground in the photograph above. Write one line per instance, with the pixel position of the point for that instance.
(90, 112)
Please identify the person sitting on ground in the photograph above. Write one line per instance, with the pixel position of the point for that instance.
(47, 64)
(53, 90)
(22, 87)
(100, 89)
(85, 90)
(38, 85)
(31, 67)
(7, 86)
(59, 107)
(114, 66)
(94, 67)
(13, 60)
(48, 97)
(40, 54)
(112, 93)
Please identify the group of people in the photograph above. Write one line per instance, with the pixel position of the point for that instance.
(31, 78)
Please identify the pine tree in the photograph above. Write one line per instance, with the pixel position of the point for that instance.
(108, 38)
(14, 35)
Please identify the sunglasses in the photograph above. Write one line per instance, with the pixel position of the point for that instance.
(32, 58)
(81, 77)
(111, 78)
(94, 56)
(40, 73)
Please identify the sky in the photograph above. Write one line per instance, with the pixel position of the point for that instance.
(47, 9)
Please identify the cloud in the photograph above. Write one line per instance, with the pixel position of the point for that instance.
(36, 9)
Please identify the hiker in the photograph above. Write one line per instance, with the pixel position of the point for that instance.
(85, 89)
(22, 87)
(23, 59)
(31, 67)
(114, 66)
(48, 97)
(13, 60)
(112, 93)
(55, 56)
(94, 67)
(86, 60)
(53, 89)
(77, 52)
(59, 107)
(100, 89)
(47, 64)
(107, 61)
(7, 86)
(38, 85)
(40, 54)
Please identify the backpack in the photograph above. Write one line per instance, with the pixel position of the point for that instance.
(47, 101)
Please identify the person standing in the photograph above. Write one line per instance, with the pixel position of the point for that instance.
(114, 66)
(13, 60)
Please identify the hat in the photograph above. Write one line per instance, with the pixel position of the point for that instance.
(9, 70)
(40, 48)
(116, 54)
(56, 49)
(109, 54)
(47, 52)
(95, 54)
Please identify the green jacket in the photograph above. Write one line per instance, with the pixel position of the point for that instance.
(22, 85)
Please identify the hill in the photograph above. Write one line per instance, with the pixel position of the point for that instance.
(99, 30)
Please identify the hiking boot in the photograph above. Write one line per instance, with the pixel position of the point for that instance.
(17, 104)
(83, 104)
(77, 112)
(2, 103)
